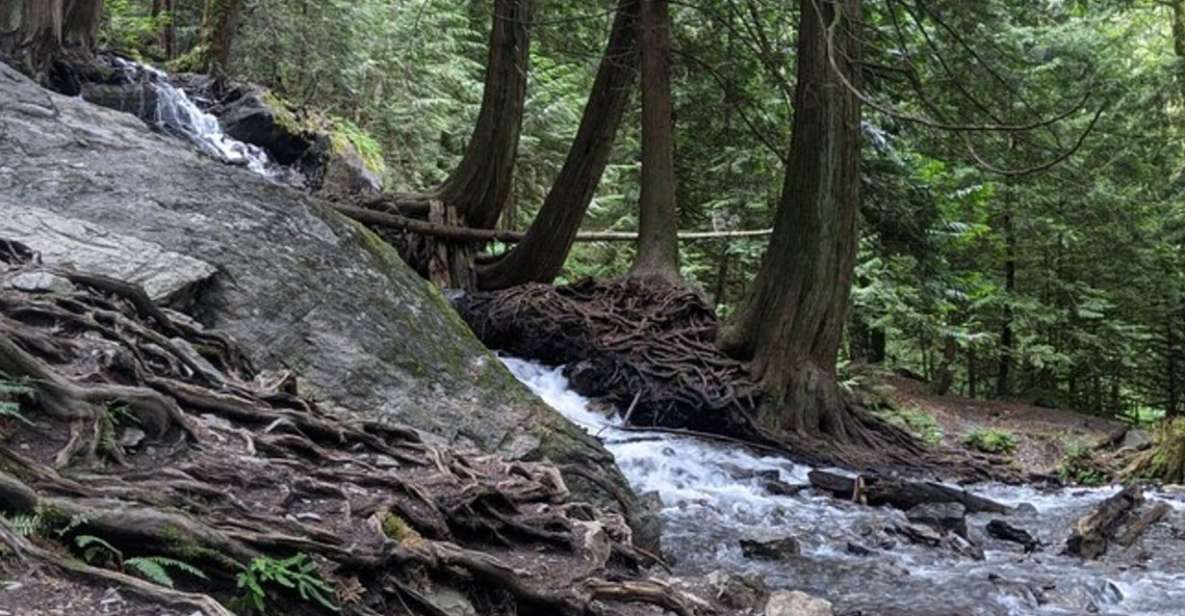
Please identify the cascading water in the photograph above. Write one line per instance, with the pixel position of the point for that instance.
(713, 496)
(171, 110)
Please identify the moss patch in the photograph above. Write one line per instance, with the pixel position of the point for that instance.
(345, 136)
(991, 440)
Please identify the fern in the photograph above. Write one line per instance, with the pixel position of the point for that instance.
(297, 573)
(12, 391)
(23, 524)
(93, 547)
(156, 569)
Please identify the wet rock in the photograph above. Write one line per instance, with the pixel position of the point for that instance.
(1006, 532)
(740, 592)
(856, 549)
(132, 437)
(777, 487)
(796, 603)
(783, 548)
(948, 517)
(300, 286)
(247, 114)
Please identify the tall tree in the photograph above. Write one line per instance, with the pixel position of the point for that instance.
(658, 224)
(220, 22)
(791, 322)
(33, 33)
(480, 186)
(541, 255)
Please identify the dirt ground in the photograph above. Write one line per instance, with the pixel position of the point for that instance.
(1042, 434)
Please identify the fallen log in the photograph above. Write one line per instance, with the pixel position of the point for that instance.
(1119, 520)
(900, 493)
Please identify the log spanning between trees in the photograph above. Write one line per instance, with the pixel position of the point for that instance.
(468, 234)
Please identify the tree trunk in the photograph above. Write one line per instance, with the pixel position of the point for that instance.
(658, 224)
(34, 33)
(1003, 386)
(792, 320)
(168, 30)
(541, 254)
(220, 23)
(481, 185)
(1179, 39)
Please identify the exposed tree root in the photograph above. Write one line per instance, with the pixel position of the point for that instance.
(162, 440)
(652, 348)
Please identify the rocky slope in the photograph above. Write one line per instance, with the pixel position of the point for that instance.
(301, 287)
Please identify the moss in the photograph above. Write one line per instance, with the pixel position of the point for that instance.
(991, 440)
(345, 136)
(397, 529)
(283, 114)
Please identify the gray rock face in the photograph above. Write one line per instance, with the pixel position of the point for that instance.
(298, 285)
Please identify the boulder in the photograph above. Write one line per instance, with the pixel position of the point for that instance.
(740, 592)
(782, 548)
(948, 517)
(796, 603)
(1006, 532)
(302, 287)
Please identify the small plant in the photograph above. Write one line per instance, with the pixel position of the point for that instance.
(297, 573)
(152, 568)
(1078, 466)
(915, 420)
(991, 440)
(12, 392)
(23, 524)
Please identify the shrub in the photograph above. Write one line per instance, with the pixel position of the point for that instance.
(991, 440)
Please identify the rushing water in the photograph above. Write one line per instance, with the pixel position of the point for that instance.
(172, 111)
(713, 496)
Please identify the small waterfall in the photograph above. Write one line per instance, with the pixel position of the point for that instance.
(714, 495)
(172, 111)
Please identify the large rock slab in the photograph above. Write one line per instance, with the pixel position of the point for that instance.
(300, 286)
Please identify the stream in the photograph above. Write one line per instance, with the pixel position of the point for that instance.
(713, 496)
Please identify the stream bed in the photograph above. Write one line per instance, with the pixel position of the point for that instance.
(714, 496)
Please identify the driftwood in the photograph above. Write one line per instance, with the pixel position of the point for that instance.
(162, 440)
(900, 493)
(1119, 520)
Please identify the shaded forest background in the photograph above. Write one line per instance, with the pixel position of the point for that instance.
(1063, 287)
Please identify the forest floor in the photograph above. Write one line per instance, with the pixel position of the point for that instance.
(1041, 437)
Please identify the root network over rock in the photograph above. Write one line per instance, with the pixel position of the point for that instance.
(139, 451)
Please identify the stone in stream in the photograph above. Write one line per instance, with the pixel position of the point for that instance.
(796, 603)
(1006, 532)
(782, 548)
(947, 517)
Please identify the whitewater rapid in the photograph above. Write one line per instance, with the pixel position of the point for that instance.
(714, 495)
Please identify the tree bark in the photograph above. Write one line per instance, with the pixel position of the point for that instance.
(658, 246)
(1179, 39)
(791, 323)
(220, 23)
(1003, 383)
(541, 254)
(33, 33)
(480, 186)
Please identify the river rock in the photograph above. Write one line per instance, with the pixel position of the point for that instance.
(740, 592)
(783, 548)
(948, 517)
(1006, 532)
(1137, 439)
(796, 603)
(40, 282)
(303, 288)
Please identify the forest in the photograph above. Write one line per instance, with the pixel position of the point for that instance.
(530, 307)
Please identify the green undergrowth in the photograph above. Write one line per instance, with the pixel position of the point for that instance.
(1079, 465)
(913, 419)
(991, 440)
